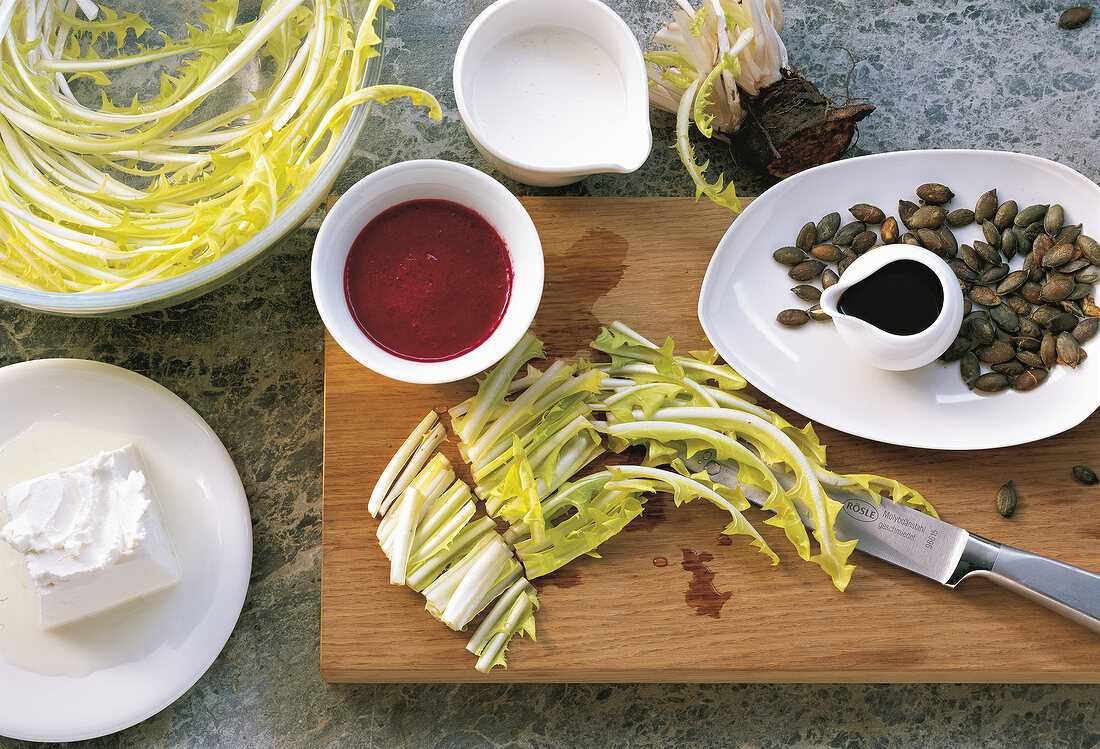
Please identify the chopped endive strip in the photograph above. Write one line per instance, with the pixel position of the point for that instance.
(408, 508)
(432, 481)
(492, 390)
(513, 613)
(398, 462)
(428, 444)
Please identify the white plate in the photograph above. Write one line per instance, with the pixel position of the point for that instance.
(111, 671)
(810, 370)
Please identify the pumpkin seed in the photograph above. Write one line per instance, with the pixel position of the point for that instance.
(826, 228)
(867, 213)
(960, 217)
(996, 352)
(1031, 291)
(1048, 351)
(1088, 274)
(984, 296)
(789, 255)
(934, 193)
(807, 293)
(987, 252)
(955, 351)
(1090, 248)
(1009, 369)
(991, 382)
(1074, 18)
(1052, 222)
(1056, 289)
(950, 245)
(1069, 351)
(1005, 317)
(1062, 322)
(1086, 475)
(981, 329)
(969, 368)
(1029, 380)
(1088, 306)
(1060, 255)
(1017, 304)
(806, 237)
(962, 271)
(994, 273)
(969, 256)
(828, 278)
(929, 239)
(826, 253)
(1086, 329)
(1022, 246)
(1068, 235)
(986, 206)
(816, 313)
(889, 231)
(910, 238)
(1029, 327)
(927, 217)
(1080, 291)
(792, 318)
(806, 270)
(1029, 359)
(1030, 215)
(906, 209)
(1026, 343)
(1075, 265)
(1011, 282)
(1007, 211)
(1006, 500)
(863, 241)
(992, 235)
(848, 232)
(1043, 315)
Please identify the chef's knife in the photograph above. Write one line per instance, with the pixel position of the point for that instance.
(945, 553)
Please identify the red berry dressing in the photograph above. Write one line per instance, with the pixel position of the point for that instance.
(428, 280)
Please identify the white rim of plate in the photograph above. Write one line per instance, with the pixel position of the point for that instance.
(234, 519)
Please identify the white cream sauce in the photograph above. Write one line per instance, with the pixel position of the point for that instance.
(551, 96)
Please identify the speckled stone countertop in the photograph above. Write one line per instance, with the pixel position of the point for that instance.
(248, 357)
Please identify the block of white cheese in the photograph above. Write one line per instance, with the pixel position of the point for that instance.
(90, 535)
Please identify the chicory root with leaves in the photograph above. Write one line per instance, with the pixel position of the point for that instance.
(725, 68)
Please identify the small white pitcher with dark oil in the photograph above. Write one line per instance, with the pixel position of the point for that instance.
(897, 307)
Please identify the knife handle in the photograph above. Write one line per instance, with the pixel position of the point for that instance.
(1070, 591)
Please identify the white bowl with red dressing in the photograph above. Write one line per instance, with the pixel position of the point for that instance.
(427, 271)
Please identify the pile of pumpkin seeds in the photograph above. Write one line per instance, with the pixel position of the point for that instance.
(1017, 323)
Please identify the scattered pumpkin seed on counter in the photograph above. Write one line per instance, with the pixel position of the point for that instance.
(1007, 499)
(1085, 475)
(1018, 323)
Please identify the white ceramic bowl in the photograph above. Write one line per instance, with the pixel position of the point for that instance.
(427, 179)
(520, 111)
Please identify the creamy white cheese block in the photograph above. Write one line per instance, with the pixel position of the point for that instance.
(90, 535)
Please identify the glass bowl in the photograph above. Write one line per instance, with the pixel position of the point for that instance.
(172, 16)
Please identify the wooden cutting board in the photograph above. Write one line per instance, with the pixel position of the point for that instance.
(668, 601)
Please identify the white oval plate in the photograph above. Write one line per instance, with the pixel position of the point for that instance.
(182, 630)
(811, 371)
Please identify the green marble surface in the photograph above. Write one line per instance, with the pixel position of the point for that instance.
(248, 357)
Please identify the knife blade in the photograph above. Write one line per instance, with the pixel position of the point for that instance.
(934, 549)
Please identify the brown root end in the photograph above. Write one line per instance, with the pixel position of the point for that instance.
(792, 128)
